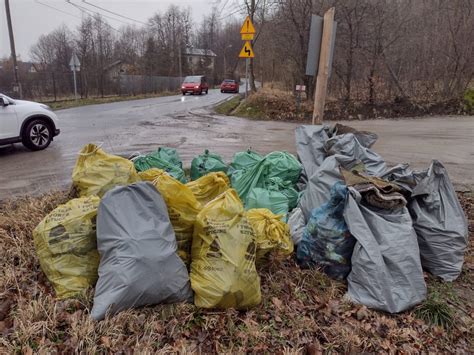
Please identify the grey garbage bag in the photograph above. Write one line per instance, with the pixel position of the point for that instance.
(439, 222)
(367, 139)
(137, 246)
(296, 222)
(348, 145)
(318, 189)
(386, 268)
(343, 151)
(310, 142)
(402, 175)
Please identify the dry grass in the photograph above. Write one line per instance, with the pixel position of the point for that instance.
(302, 310)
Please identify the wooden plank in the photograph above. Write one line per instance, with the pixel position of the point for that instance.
(323, 71)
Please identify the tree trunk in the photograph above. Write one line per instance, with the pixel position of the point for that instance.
(253, 88)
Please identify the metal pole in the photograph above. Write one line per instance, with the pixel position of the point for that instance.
(12, 45)
(246, 76)
(179, 60)
(75, 84)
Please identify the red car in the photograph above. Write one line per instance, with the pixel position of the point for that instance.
(229, 85)
(196, 84)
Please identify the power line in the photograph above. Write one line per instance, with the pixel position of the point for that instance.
(114, 13)
(239, 9)
(59, 10)
(81, 8)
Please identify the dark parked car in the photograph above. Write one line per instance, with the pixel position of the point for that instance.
(195, 84)
(229, 85)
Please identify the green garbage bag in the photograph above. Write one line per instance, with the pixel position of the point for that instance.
(244, 160)
(246, 179)
(284, 165)
(159, 159)
(273, 200)
(171, 155)
(286, 188)
(207, 163)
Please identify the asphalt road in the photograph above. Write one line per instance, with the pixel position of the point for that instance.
(184, 123)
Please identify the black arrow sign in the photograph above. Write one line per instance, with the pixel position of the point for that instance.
(247, 50)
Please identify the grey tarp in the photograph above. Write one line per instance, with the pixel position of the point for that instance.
(440, 223)
(343, 150)
(137, 246)
(386, 268)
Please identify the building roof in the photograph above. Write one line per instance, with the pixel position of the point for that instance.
(200, 52)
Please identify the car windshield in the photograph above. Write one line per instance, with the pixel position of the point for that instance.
(229, 81)
(192, 79)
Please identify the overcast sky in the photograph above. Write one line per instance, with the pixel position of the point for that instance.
(31, 19)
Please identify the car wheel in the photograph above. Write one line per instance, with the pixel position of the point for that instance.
(184, 94)
(207, 91)
(37, 135)
(222, 91)
(200, 92)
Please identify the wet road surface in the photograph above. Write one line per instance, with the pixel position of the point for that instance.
(184, 123)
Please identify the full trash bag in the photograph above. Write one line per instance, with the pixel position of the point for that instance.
(272, 234)
(150, 174)
(137, 246)
(386, 268)
(280, 165)
(344, 151)
(164, 158)
(209, 186)
(275, 201)
(182, 209)
(207, 163)
(65, 241)
(310, 140)
(284, 166)
(327, 242)
(439, 222)
(244, 160)
(223, 272)
(297, 224)
(286, 188)
(96, 172)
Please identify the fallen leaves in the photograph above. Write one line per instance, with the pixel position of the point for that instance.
(301, 311)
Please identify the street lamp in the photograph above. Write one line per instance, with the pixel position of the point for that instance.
(229, 46)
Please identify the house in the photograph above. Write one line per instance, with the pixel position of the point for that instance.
(199, 61)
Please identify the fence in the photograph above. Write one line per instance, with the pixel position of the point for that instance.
(53, 86)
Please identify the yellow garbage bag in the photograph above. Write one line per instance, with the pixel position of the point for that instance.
(66, 244)
(223, 272)
(182, 210)
(271, 232)
(96, 172)
(150, 174)
(209, 186)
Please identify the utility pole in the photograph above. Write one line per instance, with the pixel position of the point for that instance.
(323, 71)
(12, 46)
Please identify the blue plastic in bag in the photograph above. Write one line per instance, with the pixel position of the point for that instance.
(327, 242)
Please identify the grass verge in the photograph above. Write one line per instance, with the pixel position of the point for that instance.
(70, 103)
(301, 310)
(226, 107)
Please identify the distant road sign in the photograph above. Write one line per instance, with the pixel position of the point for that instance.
(300, 87)
(247, 27)
(247, 36)
(74, 63)
(247, 51)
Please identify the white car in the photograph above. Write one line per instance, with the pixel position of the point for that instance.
(31, 123)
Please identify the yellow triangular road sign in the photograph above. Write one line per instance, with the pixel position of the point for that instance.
(247, 27)
(247, 51)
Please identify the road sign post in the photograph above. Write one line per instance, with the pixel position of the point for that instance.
(75, 65)
(324, 67)
(247, 32)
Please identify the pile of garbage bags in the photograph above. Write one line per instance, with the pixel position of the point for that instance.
(376, 226)
(142, 233)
